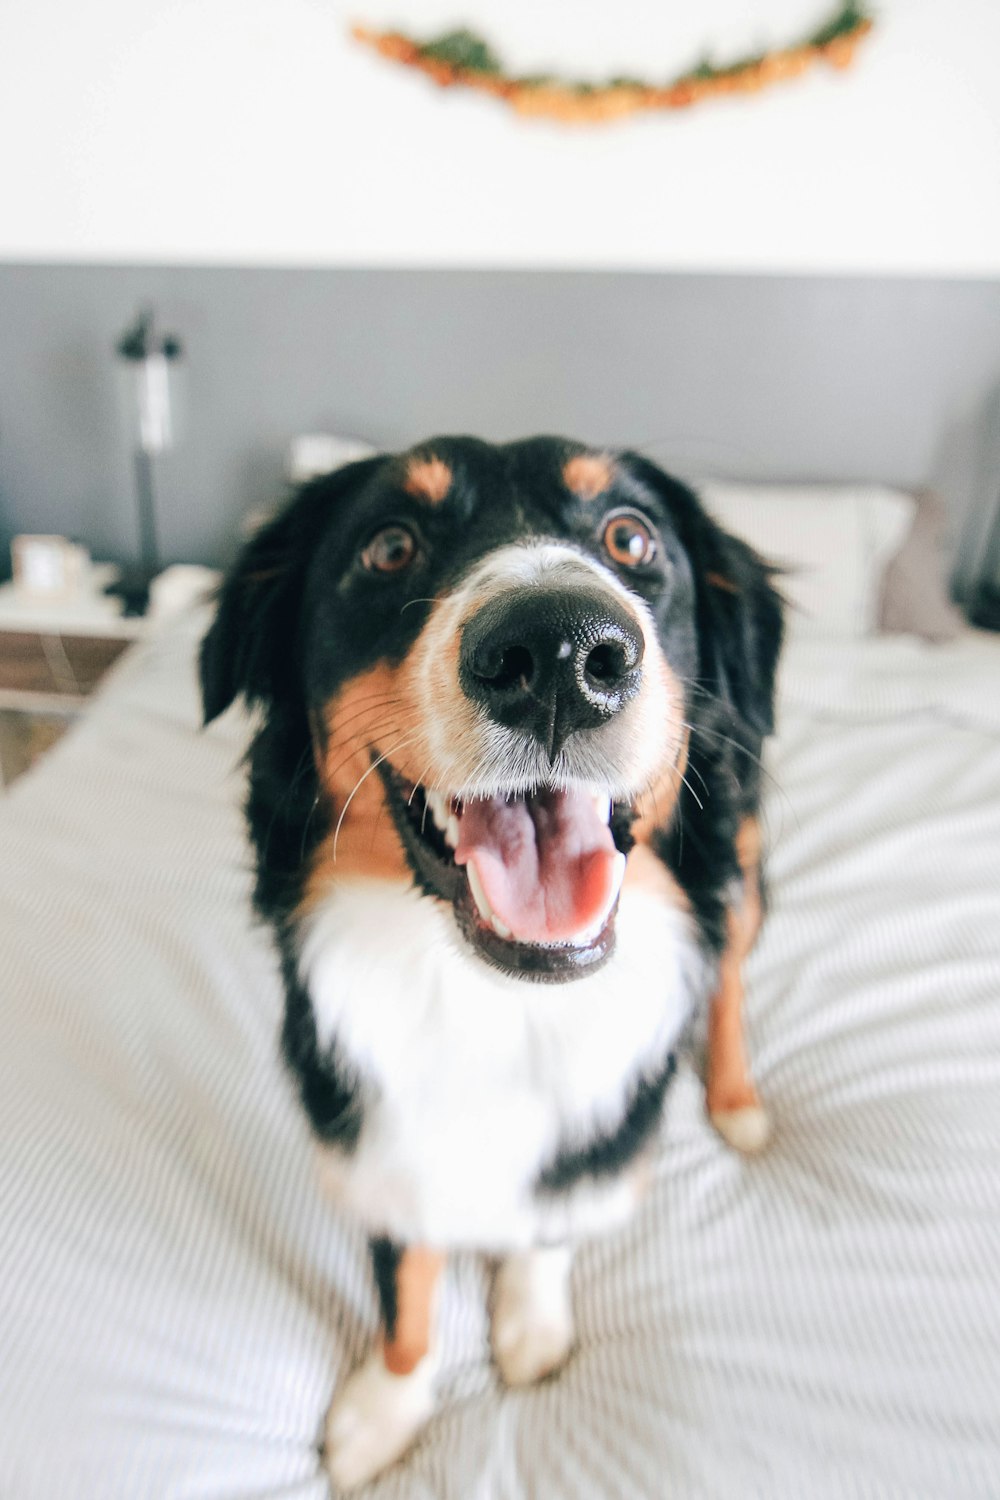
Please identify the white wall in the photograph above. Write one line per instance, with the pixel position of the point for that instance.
(253, 131)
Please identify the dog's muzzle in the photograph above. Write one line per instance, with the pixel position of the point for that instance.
(529, 844)
(550, 662)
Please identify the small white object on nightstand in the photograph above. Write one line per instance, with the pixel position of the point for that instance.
(86, 611)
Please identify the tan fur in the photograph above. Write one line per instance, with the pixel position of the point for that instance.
(417, 1277)
(438, 692)
(374, 712)
(656, 806)
(589, 475)
(428, 479)
(645, 872)
(730, 1086)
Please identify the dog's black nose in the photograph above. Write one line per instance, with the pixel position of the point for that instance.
(551, 661)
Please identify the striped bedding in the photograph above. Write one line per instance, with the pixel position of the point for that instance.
(177, 1300)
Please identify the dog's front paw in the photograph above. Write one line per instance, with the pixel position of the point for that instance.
(747, 1129)
(735, 1110)
(375, 1418)
(532, 1316)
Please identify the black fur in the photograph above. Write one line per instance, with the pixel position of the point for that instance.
(608, 1152)
(731, 707)
(386, 1256)
(331, 1095)
(299, 616)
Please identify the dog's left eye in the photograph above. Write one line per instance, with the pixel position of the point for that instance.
(629, 540)
(390, 550)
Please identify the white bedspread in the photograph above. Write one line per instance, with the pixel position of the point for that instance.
(177, 1301)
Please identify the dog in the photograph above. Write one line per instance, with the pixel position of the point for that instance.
(504, 799)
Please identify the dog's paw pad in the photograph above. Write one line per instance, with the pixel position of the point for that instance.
(374, 1419)
(532, 1320)
(747, 1130)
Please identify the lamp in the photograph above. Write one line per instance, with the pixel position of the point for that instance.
(150, 357)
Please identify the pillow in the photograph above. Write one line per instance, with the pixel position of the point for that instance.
(915, 597)
(316, 453)
(833, 541)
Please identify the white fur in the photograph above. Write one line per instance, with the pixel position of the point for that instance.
(375, 1418)
(747, 1130)
(532, 1315)
(476, 1077)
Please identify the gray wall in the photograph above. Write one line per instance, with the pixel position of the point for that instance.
(751, 376)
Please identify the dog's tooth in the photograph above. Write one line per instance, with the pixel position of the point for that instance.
(500, 928)
(617, 876)
(478, 894)
(438, 807)
(451, 831)
(602, 803)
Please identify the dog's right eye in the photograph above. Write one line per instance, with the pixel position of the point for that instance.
(629, 540)
(390, 550)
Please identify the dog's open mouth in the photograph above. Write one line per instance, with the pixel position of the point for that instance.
(533, 878)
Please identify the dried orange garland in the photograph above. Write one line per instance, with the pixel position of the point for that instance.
(463, 58)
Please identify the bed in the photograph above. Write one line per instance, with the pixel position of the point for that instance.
(178, 1301)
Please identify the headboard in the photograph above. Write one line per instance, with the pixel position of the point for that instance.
(757, 377)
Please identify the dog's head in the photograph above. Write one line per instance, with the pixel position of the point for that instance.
(499, 652)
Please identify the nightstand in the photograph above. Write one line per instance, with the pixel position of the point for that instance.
(53, 653)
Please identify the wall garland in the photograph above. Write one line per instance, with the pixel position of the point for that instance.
(464, 59)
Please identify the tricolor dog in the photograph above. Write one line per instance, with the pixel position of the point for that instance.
(504, 801)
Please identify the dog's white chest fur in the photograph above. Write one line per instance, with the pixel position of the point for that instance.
(477, 1079)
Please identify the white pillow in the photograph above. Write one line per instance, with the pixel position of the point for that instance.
(315, 453)
(835, 542)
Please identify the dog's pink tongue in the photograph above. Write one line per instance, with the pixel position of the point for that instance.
(547, 865)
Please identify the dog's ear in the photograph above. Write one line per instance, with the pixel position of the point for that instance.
(739, 610)
(740, 624)
(249, 648)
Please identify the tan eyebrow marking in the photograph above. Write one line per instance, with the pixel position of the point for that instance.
(589, 475)
(428, 479)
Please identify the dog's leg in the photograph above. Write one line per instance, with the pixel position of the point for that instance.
(386, 1402)
(733, 1102)
(532, 1316)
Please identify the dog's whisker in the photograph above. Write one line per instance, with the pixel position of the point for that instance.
(302, 766)
(364, 734)
(693, 768)
(376, 824)
(346, 745)
(650, 791)
(364, 738)
(359, 708)
(377, 705)
(675, 770)
(360, 782)
(691, 789)
(704, 731)
(307, 825)
(417, 785)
